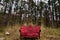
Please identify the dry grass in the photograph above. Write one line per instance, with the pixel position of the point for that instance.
(14, 32)
(46, 33)
(50, 33)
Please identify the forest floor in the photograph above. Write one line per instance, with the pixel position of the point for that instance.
(46, 33)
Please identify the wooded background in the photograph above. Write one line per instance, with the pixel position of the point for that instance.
(20, 11)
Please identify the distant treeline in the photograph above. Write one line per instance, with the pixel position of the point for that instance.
(20, 11)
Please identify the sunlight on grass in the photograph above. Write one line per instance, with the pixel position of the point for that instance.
(14, 30)
(1, 34)
(54, 31)
(49, 32)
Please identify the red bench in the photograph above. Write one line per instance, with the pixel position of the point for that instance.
(30, 31)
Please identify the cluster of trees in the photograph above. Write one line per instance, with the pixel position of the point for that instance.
(53, 13)
(20, 11)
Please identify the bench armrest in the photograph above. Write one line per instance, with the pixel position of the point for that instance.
(39, 30)
(19, 30)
